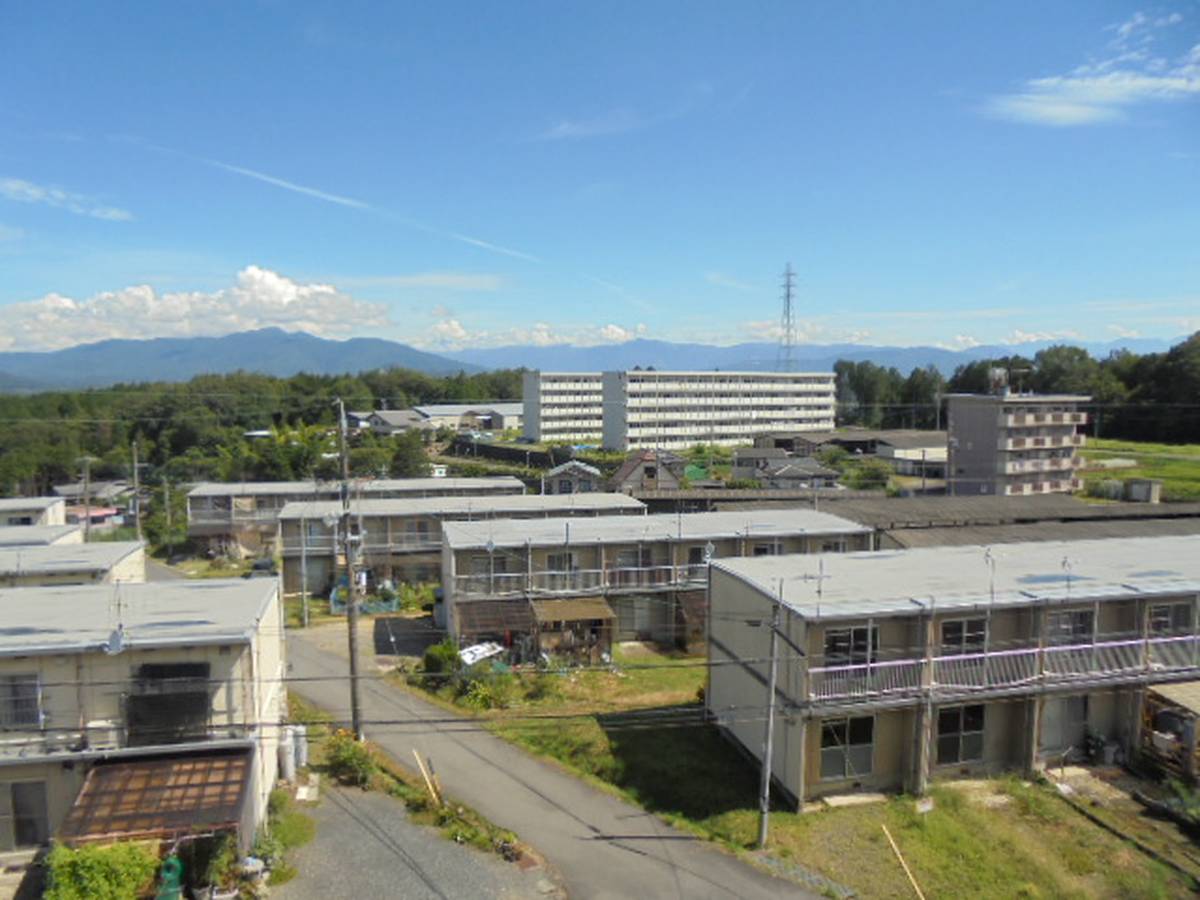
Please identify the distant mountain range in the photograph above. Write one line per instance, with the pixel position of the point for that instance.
(272, 351)
(761, 356)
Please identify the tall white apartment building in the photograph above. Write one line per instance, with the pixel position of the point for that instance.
(647, 408)
(562, 406)
(1014, 444)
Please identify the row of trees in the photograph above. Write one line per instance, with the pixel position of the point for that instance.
(1150, 397)
(197, 429)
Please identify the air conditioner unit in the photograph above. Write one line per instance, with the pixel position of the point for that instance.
(104, 734)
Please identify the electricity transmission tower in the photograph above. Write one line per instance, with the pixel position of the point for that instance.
(787, 324)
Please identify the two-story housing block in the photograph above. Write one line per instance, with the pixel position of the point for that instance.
(138, 711)
(401, 539)
(98, 563)
(33, 511)
(243, 518)
(1014, 444)
(651, 573)
(39, 535)
(895, 667)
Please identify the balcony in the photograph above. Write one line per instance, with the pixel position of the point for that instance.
(96, 737)
(591, 581)
(323, 544)
(1046, 464)
(1041, 441)
(1032, 420)
(1000, 671)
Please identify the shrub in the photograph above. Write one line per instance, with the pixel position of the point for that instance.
(487, 688)
(350, 761)
(440, 662)
(114, 872)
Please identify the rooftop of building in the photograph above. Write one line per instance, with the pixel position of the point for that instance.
(34, 535)
(52, 559)
(1020, 398)
(1079, 529)
(81, 618)
(504, 407)
(908, 582)
(612, 530)
(366, 486)
(464, 506)
(12, 504)
(895, 437)
(574, 465)
(97, 490)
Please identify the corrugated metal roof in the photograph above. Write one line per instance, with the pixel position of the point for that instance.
(562, 504)
(14, 504)
(34, 535)
(480, 617)
(1183, 693)
(575, 609)
(1043, 531)
(63, 559)
(365, 486)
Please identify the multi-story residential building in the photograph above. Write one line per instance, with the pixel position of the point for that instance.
(167, 696)
(33, 511)
(1013, 444)
(652, 572)
(898, 667)
(243, 518)
(107, 562)
(39, 535)
(562, 406)
(646, 408)
(401, 539)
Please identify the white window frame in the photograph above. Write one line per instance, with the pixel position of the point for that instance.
(8, 718)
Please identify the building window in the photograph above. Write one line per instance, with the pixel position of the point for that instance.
(564, 486)
(855, 646)
(1070, 627)
(1171, 618)
(771, 549)
(963, 636)
(847, 746)
(19, 706)
(960, 734)
(24, 821)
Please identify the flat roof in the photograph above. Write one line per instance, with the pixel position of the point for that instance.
(504, 407)
(664, 527)
(374, 485)
(719, 372)
(1077, 529)
(13, 504)
(857, 585)
(464, 506)
(33, 535)
(52, 559)
(1021, 398)
(81, 617)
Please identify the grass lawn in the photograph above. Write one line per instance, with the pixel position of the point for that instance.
(1176, 465)
(212, 568)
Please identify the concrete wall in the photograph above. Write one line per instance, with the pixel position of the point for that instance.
(973, 456)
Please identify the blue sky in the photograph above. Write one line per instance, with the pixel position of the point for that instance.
(480, 174)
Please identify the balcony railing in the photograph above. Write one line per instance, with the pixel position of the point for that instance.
(95, 738)
(616, 580)
(1032, 420)
(1154, 658)
(414, 542)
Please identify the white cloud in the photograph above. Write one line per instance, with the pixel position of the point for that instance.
(259, 298)
(725, 281)
(1028, 337)
(616, 334)
(449, 332)
(616, 121)
(960, 342)
(1122, 332)
(10, 233)
(1104, 90)
(806, 332)
(27, 192)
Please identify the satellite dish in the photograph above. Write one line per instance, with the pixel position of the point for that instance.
(116, 641)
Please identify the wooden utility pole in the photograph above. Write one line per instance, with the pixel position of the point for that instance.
(167, 512)
(764, 793)
(87, 496)
(351, 586)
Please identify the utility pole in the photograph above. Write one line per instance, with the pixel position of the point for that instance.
(351, 586)
(764, 794)
(137, 494)
(167, 512)
(87, 495)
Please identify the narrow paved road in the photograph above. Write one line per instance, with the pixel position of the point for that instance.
(603, 847)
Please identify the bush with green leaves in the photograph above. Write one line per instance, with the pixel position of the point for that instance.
(350, 760)
(486, 687)
(112, 872)
(440, 662)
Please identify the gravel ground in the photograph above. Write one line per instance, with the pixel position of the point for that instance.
(367, 847)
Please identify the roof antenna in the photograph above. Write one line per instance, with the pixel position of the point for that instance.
(990, 560)
(116, 638)
(1066, 564)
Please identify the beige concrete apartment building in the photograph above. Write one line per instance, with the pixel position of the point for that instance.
(652, 573)
(1014, 444)
(33, 511)
(104, 562)
(243, 518)
(675, 410)
(102, 687)
(562, 406)
(898, 667)
(400, 540)
(39, 535)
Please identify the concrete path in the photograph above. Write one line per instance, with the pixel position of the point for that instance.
(367, 847)
(603, 847)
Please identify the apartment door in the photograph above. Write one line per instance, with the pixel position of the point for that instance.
(24, 820)
(1064, 724)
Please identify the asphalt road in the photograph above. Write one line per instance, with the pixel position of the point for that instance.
(366, 847)
(602, 847)
(156, 571)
